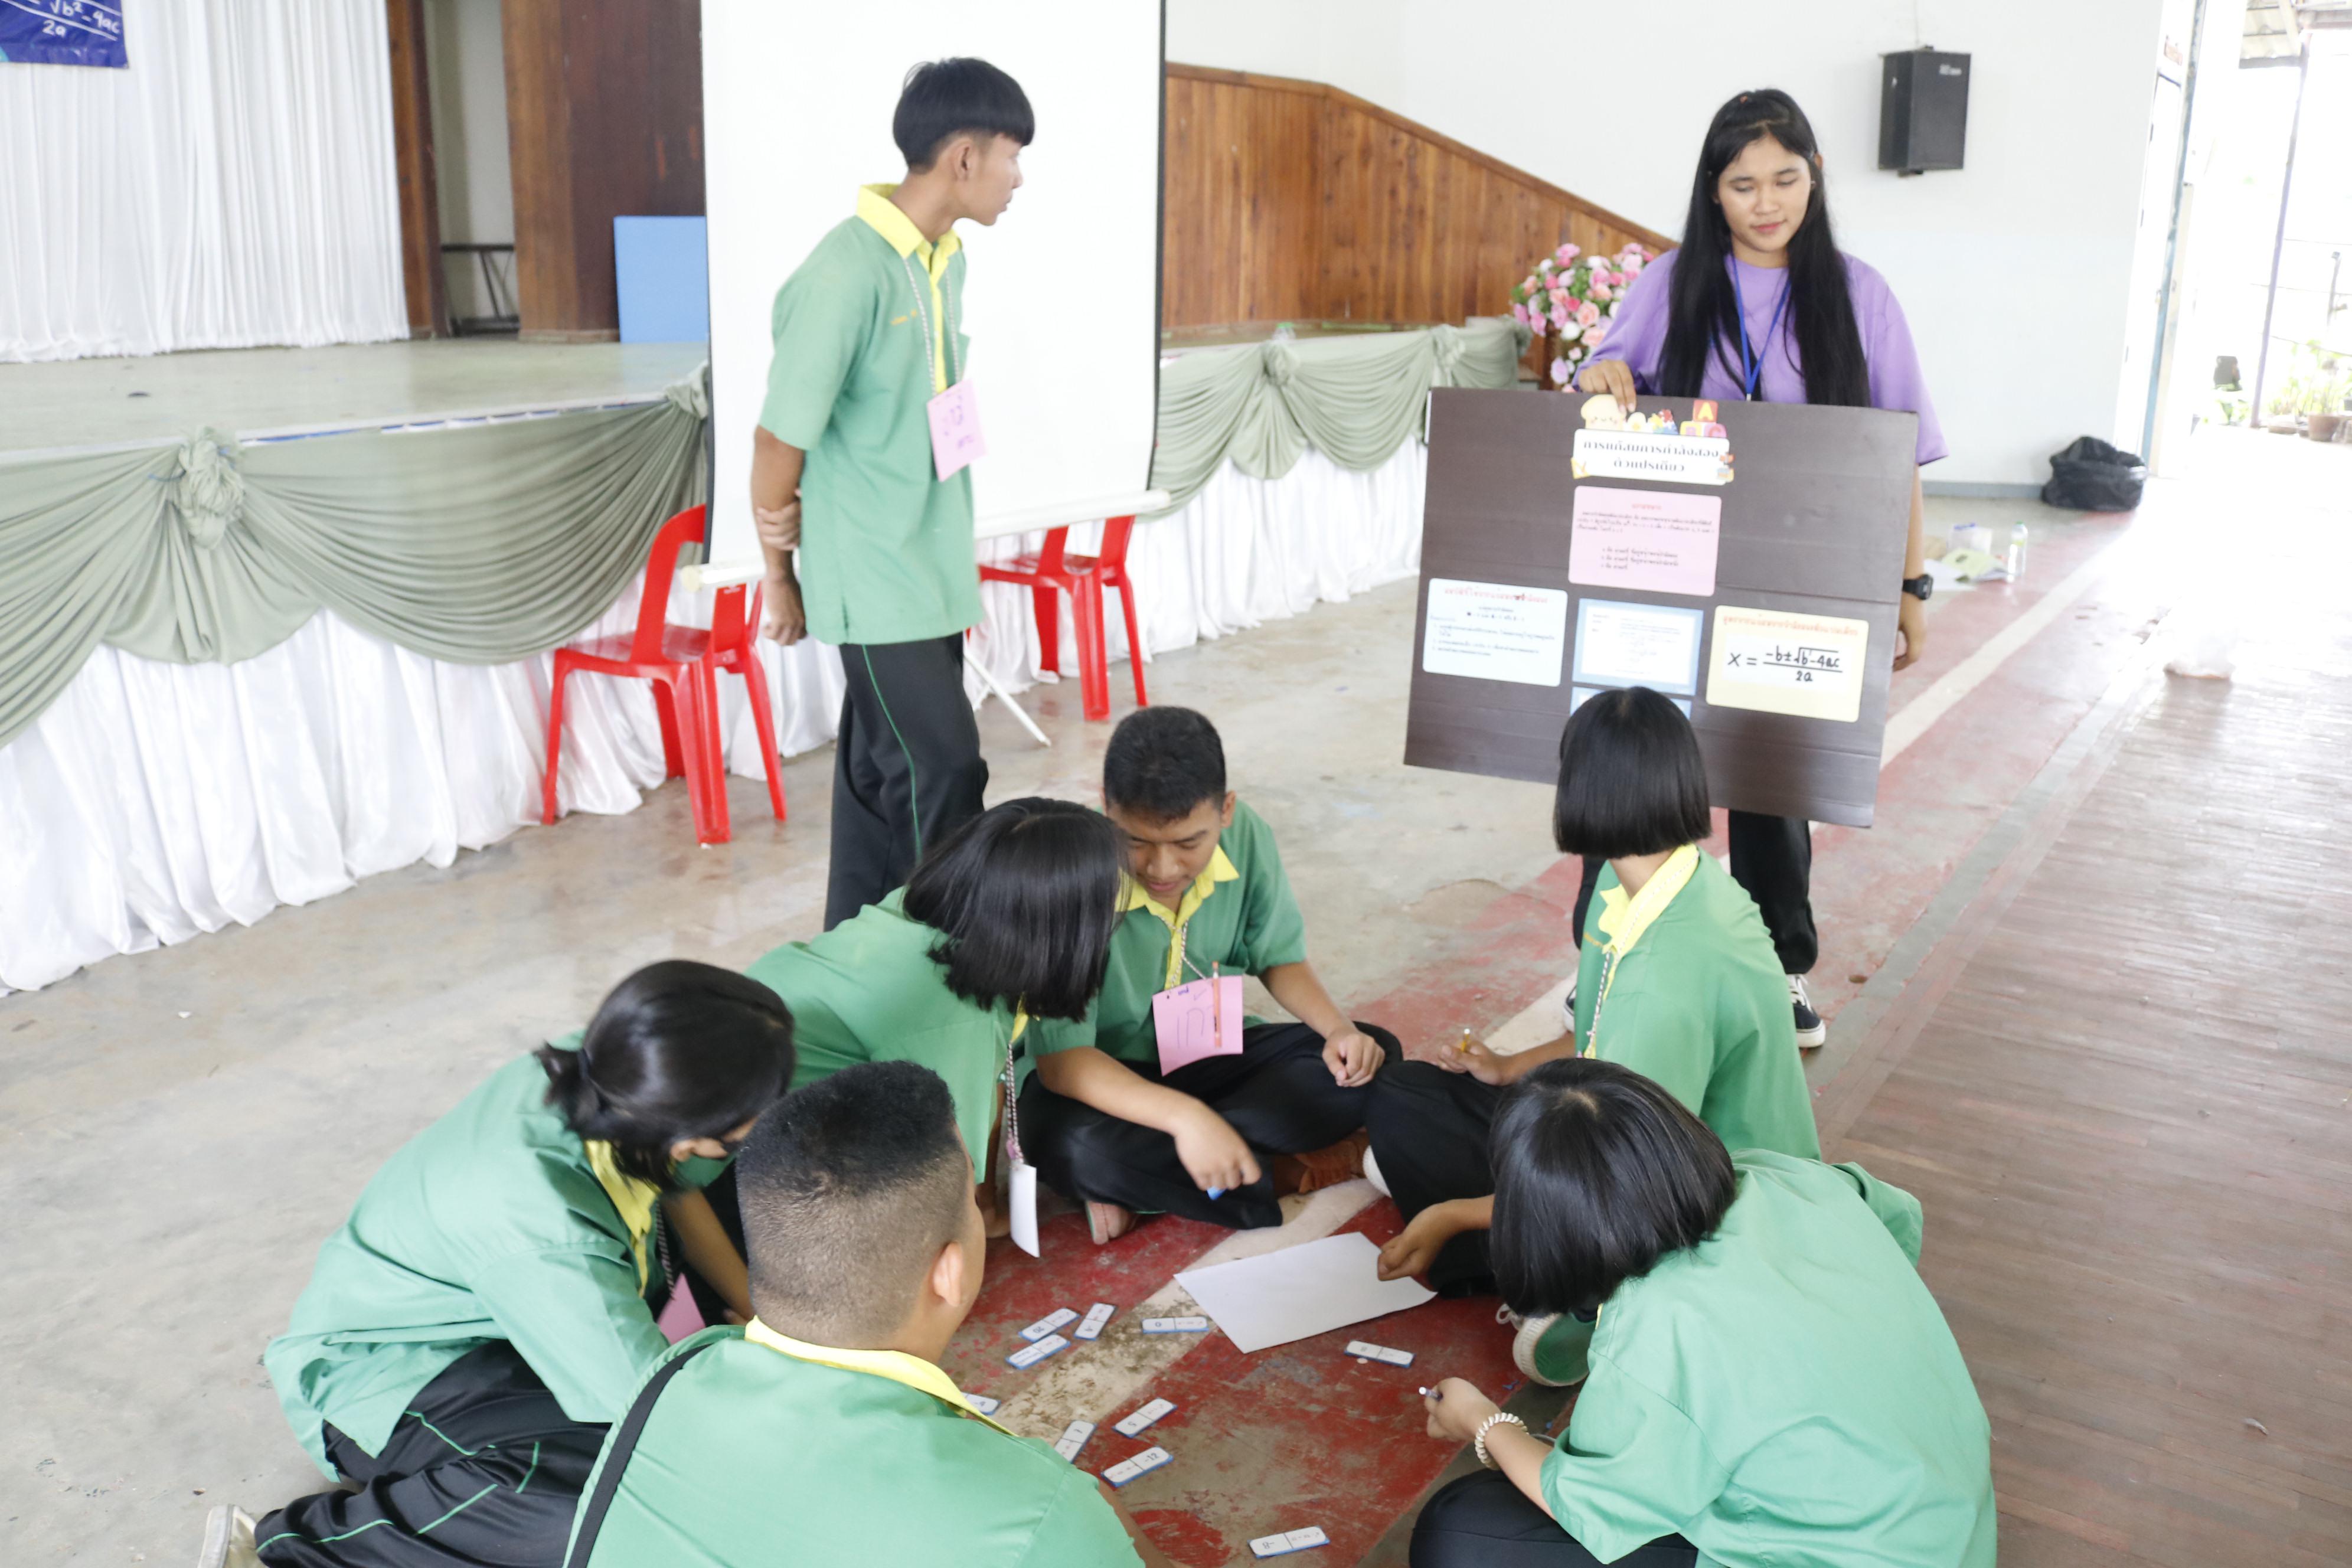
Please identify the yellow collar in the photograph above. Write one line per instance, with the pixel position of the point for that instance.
(1134, 896)
(887, 219)
(1624, 920)
(897, 1366)
(634, 1199)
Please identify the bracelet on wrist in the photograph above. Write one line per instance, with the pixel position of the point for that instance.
(1478, 1442)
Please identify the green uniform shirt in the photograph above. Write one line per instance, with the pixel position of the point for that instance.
(1786, 1392)
(1239, 914)
(488, 1225)
(885, 550)
(1699, 1003)
(869, 990)
(753, 1457)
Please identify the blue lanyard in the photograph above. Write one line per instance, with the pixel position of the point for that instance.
(1751, 363)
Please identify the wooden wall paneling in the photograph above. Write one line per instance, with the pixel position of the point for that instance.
(604, 119)
(539, 140)
(420, 198)
(1290, 199)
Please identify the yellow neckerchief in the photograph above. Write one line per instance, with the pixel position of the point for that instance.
(633, 1198)
(897, 1366)
(1134, 896)
(887, 219)
(1624, 921)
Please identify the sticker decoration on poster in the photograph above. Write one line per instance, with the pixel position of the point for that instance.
(1623, 644)
(63, 33)
(1495, 631)
(1808, 666)
(1648, 541)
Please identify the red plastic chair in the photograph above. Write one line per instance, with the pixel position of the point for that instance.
(1050, 572)
(735, 647)
(678, 661)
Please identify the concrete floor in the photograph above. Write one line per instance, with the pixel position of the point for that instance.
(178, 1131)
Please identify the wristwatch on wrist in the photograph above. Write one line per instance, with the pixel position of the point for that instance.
(1919, 587)
(1478, 1442)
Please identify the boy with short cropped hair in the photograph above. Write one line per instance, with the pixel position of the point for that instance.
(1102, 1116)
(868, 335)
(823, 1431)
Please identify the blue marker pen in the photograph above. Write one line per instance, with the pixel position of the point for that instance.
(1216, 1193)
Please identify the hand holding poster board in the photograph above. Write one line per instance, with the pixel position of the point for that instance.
(1759, 592)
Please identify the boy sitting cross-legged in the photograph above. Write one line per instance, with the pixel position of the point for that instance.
(1107, 1116)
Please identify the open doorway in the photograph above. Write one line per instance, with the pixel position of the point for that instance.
(2252, 316)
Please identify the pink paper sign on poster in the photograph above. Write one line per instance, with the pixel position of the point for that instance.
(1652, 541)
(1198, 1018)
(956, 439)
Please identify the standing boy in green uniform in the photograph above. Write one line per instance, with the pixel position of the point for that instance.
(868, 338)
(824, 1431)
(1104, 1117)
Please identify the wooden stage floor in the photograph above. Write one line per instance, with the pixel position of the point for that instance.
(70, 405)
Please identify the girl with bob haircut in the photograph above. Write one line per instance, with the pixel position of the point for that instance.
(1676, 979)
(1760, 302)
(489, 1307)
(1007, 919)
(1771, 1382)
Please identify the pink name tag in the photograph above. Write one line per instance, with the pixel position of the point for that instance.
(1198, 1018)
(955, 430)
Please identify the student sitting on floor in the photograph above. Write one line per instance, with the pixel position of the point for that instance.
(483, 1314)
(1003, 926)
(1101, 1117)
(1676, 979)
(1771, 1381)
(825, 1432)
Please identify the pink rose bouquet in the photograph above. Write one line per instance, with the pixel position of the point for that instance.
(1569, 300)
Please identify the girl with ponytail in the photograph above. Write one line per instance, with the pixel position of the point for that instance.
(1758, 302)
(489, 1307)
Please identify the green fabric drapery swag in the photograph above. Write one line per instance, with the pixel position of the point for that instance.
(1354, 399)
(478, 544)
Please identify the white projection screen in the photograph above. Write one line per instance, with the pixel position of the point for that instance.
(1061, 296)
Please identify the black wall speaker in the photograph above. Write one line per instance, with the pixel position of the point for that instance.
(1923, 110)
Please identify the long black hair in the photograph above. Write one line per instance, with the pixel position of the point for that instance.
(1025, 898)
(679, 1050)
(1702, 312)
(1599, 1173)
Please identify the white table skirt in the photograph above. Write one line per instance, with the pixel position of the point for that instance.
(154, 801)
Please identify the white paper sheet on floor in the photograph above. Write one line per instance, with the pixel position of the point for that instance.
(1300, 1291)
(155, 801)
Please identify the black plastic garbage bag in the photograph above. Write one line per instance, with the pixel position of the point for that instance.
(2092, 476)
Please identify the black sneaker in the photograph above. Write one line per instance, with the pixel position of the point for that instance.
(1811, 1030)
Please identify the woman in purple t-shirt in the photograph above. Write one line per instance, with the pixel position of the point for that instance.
(1760, 302)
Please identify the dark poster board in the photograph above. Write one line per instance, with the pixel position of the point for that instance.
(1813, 525)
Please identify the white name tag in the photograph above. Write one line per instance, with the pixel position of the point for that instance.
(1099, 1315)
(1024, 1201)
(1028, 1356)
(1175, 1325)
(1143, 1417)
(1126, 1471)
(1048, 1323)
